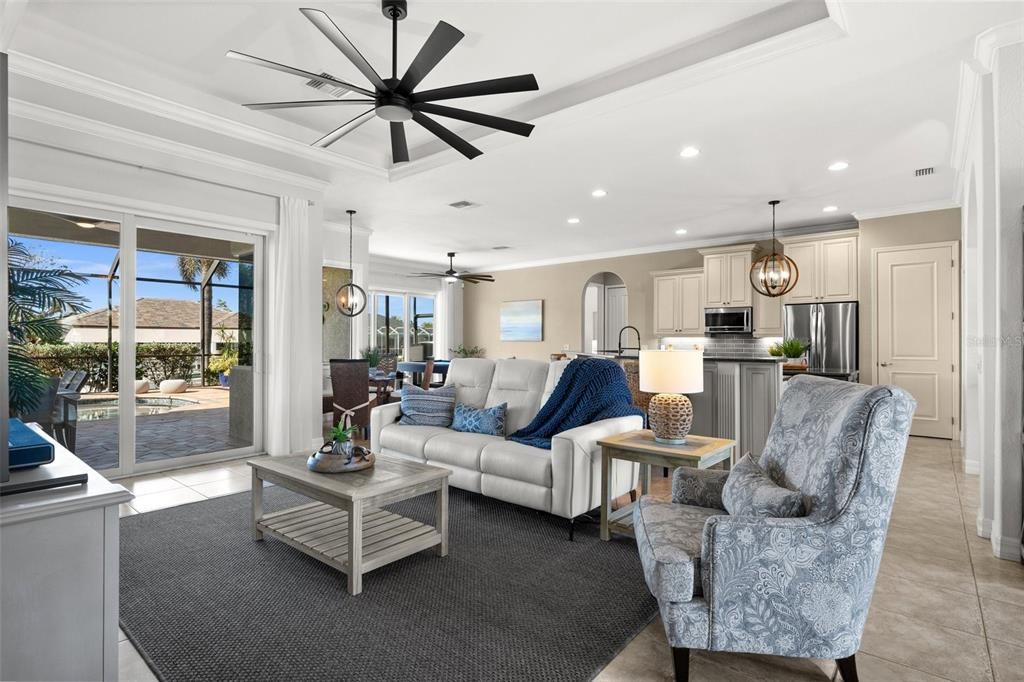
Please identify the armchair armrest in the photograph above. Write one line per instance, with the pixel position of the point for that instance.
(576, 466)
(381, 416)
(699, 487)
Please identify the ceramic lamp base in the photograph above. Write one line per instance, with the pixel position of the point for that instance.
(671, 416)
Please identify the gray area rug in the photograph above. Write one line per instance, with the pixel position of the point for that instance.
(513, 600)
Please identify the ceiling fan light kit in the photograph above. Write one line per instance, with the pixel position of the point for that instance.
(395, 99)
(775, 274)
(451, 275)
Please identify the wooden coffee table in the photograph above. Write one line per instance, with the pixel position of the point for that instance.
(346, 528)
(639, 446)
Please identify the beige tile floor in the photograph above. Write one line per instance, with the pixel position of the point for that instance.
(944, 607)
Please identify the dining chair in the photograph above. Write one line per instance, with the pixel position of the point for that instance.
(350, 392)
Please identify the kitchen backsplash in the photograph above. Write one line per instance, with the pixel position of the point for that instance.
(741, 346)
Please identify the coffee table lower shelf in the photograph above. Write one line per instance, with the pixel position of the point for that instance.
(321, 531)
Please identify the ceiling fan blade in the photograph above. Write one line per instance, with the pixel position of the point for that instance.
(508, 125)
(495, 86)
(283, 68)
(453, 140)
(305, 103)
(344, 129)
(476, 278)
(427, 274)
(323, 22)
(399, 148)
(439, 43)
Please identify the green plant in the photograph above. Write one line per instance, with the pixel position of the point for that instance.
(342, 434)
(793, 348)
(463, 352)
(37, 299)
(373, 356)
(222, 364)
(775, 350)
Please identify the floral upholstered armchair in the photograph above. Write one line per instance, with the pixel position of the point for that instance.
(788, 586)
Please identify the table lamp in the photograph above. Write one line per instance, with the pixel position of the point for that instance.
(670, 374)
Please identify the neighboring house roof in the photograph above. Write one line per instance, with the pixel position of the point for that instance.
(157, 313)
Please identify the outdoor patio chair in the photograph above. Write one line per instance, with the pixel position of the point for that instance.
(44, 413)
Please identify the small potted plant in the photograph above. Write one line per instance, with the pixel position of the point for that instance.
(775, 350)
(794, 349)
(340, 453)
(222, 365)
(471, 352)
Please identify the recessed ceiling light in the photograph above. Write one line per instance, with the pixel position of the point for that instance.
(689, 152)
(830, 209)
(681, 231)
(573, 221)
(838, 166)
(85, 224)
(598, 193)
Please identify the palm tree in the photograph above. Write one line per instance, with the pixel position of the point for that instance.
(193, 271)
(37, 299)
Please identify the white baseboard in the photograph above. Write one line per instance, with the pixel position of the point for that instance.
(972, 467)
(984, 526)
(1004, 547)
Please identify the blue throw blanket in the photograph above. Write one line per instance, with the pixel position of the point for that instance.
(590, 389)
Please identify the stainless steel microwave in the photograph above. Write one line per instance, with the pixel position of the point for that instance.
(728, 320)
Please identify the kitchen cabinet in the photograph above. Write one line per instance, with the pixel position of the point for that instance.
(727, 276)
(739, 401)
(705, 416)
(767, 316)
(827, 265)
(760, 387)
(678, 302)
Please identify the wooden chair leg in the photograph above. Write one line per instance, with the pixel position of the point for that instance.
(681, 663)
(848, 668)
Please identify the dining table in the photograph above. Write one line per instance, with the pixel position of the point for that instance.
(417, 367)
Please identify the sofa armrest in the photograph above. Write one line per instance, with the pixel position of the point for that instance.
(381, 416)
(698, 487)
(576, 466)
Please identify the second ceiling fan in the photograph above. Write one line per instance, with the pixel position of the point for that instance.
(395, 99)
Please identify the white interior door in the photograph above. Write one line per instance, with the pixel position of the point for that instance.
(615, 304)
(916, 328)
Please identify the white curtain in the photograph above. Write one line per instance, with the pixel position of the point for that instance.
(293, 331)
(448, 319)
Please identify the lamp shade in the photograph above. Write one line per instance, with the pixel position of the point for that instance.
(672, 371)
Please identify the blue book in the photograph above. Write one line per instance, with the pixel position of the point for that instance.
(27, 448)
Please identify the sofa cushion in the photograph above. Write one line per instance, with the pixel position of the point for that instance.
(517, 461)
(471, 378)
(668, 537)
(427, 408)
(554, 374)
(409, 440)
(520, 383)
(750, 492)
(460, 449)
(487, 420)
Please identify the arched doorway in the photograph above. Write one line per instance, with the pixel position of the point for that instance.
(605, 312)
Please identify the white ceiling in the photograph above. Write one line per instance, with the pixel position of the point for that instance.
(770, 93)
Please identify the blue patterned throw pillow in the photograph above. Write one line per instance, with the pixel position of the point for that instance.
(427, 408)
(489, 420)
(750, 492)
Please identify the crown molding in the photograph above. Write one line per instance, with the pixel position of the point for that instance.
(11, 12)
(42, 191)
(675, 246)
(87, 126)
(78, 81)
(922, 207)
(989, 42)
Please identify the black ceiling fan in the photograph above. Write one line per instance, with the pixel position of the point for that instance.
(451, 275)
(396, 100)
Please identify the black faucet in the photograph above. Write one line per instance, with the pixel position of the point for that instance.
(636, 347)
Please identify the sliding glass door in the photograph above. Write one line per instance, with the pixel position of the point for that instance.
(135, 342)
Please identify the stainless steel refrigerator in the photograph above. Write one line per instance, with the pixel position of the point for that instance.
(831, 330)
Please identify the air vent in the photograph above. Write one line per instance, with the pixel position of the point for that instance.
(463, 204)
(329, 88)
(500, 248)
(923, 171)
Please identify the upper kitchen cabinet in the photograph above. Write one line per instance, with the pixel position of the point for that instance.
(678, 302)
(767, 316)
(727, 276)
(827, 265)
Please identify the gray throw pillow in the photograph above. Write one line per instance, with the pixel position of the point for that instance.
(750, 492)
(427, 408)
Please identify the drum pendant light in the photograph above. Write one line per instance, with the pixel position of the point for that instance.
(774, 274)
(350, 299)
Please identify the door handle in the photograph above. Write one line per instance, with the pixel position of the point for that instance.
(883, 364)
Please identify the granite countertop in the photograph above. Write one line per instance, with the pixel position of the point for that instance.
(743, 358)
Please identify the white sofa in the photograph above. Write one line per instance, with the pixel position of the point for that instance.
(565, 480)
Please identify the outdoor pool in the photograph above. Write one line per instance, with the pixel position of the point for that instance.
(106, 408)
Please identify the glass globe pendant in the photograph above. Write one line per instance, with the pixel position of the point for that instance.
(350, 299)
(775, 274)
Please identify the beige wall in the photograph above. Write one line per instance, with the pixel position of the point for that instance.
(899, 230)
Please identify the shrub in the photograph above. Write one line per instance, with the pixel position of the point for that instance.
(175, 361)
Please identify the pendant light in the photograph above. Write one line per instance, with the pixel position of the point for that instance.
(774, 274)
(350, 299)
